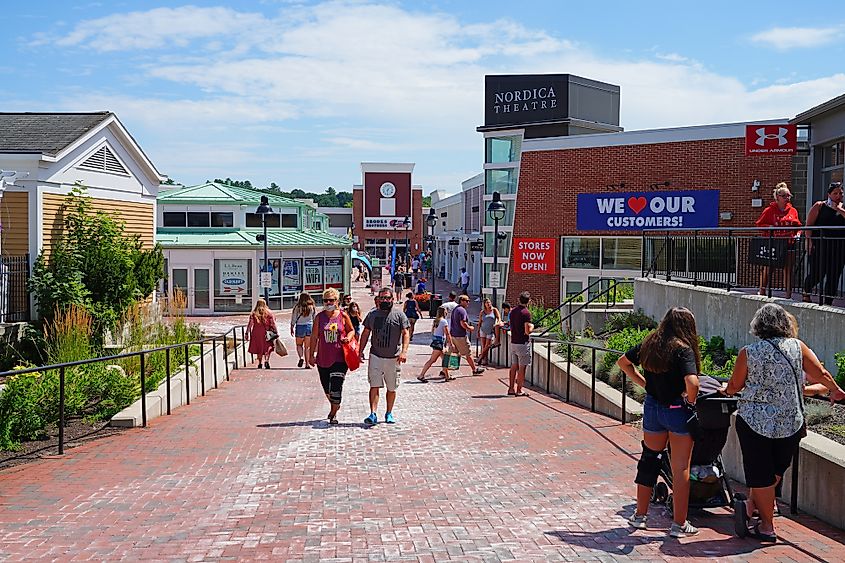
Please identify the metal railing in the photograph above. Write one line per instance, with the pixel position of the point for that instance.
(771, 259)
(14, 296)
(609, 292)
(215, 340)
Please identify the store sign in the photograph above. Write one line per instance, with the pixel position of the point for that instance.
(689, 209)
(534, 255)
(391, 223)
(454, 242)
(334, 272)
(771, 139)
(292, 280)
(494, 280)
(476, 246)
(234, 276)
(514, 99)
(313, 274)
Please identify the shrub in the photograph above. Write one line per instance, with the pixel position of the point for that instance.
(634, 319)
(840, 368)
(20, 412)
(817, 412)
(622, 341)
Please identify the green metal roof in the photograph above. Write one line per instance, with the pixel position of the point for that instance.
(223, 194)
(281, 238)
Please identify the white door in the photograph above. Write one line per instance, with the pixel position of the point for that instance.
(195, 284)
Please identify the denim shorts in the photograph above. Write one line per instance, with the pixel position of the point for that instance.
(301, 331)
(660, 418)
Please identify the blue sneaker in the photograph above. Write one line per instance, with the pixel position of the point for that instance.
(388, 418)
(371, 420)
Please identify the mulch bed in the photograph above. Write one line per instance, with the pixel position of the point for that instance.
(833, 427)
(77, 432)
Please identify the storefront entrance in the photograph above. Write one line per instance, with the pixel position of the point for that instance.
(198, 292)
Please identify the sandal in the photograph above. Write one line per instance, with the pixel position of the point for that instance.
(422, 379)
(450, 378)
(740, 516)
(512, 393)
(762, 536)
(522, 394)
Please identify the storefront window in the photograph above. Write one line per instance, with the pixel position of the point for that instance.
(199, 219)
(581, 252)
(502, 181)
(174, 219)
(574, 288)
(232, 283)
(621, 253)
(509, 211)
(222, 219)
(504, 245)
(289, 220)
(503, 149)
(254, 220)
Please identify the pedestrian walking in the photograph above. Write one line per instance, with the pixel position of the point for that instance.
(333, 329)
(399, 282)
(459, 328)
(520, 327)
(389, 350)
(770, 416)
(670, 360)
(354, 312)
(301, 327)
(826, 246)
(464, 281)
(261, 322)
(412, 311)
(488, 320)
(440, 338)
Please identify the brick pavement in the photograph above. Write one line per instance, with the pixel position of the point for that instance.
(253, 471)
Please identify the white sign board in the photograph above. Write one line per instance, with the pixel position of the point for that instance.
(266, 280)
(390, 223)
(494, 280)
(233, 277)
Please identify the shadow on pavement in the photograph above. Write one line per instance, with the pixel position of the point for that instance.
(318, 424)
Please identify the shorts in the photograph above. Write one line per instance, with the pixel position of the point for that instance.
(460, 346)
(764, 458)
(383, 372)
(521, 354)
(331, 378)
(301, 331)
(484, 334)
(437, 342)
(661, 418)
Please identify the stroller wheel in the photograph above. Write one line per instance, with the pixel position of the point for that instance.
(670, 505)
(659, 493)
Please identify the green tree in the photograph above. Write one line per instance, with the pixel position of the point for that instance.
(94, 264)
(426, 201)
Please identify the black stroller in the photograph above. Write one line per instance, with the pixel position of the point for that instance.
(709, 486)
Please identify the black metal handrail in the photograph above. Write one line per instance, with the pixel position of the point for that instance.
(610, 289)
(141, 354)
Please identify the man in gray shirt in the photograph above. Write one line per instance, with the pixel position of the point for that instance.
(388, 352)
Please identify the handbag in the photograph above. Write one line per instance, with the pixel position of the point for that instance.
(451, 361)
(802, 433)
(352, 354)
(279, 347)
(271, 335)
(765, 251)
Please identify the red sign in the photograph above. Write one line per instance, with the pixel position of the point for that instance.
(771, 139)
(534, 255)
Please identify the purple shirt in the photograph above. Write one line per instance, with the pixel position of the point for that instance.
(518, 317)
(455, 326)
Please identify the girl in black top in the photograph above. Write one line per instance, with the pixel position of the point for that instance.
(670, 361)
(826, 246)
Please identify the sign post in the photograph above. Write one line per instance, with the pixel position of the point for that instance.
(494, 280)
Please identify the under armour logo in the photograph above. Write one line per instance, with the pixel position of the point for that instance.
(762, 136)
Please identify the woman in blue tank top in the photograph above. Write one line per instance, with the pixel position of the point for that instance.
(412, 311)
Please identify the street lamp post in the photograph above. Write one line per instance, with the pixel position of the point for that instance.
(407, 249)
(496, 210)
(432, 222)
(263, 209)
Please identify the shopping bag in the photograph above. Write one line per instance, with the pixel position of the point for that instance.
(279, 347)
(765, 251)
(451, 361)
(352, 354)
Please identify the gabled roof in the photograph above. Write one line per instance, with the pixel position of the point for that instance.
(45, 133)
(286, 238)
(222, 194)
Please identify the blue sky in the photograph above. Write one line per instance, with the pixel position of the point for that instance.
(299, 93)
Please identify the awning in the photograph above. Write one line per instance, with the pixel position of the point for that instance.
(362, 258)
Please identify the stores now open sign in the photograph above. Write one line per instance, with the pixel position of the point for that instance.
(635, 211)
(534, 255)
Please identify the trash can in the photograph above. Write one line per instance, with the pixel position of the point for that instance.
(434, 303)
(409, 281)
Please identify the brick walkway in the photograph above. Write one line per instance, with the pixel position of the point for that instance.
(253, 471)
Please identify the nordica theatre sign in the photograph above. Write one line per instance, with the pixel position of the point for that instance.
(635, 211)
(516, 99)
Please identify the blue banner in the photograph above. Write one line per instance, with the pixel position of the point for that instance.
(635, 211)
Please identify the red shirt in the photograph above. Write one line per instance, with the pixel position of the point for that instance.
(772, 216)
(518, 317)
(330, 331)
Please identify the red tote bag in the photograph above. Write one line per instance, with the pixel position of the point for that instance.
(352, 354)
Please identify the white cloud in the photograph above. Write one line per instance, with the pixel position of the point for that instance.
(785, 38)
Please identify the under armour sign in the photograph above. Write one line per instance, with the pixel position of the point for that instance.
(771, 139)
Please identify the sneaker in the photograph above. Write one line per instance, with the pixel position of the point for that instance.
(333, 421)
(388, 418)
(478, 371)
(638, 521)
(371, 420)
(267, 365)
(679, 531)
(301, 361)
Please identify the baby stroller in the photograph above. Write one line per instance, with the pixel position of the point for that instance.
(709, 487)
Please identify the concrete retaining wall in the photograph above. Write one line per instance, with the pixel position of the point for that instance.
(728, 314)
(157, 400)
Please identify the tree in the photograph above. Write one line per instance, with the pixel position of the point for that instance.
(94, 264)
(426, 201)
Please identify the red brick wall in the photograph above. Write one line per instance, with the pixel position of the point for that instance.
(550, 181)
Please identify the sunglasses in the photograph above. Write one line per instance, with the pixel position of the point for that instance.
(785, 196)
(329, 300)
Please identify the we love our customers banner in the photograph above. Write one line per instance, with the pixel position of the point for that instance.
(635, 211)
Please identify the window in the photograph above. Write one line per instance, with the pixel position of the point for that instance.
(222, 219)
(621, 253)
(318, 225)
(198, 219)
(581, 253)
(504, 244)
(502, 181)
(833, 166)
(174, 219)
(290, 220)
(574, 288)
(508, 219)
(254, 220)
(503, 149)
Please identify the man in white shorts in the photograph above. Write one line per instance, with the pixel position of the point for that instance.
(388, 352)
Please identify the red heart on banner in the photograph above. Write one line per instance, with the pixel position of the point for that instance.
(637, 204)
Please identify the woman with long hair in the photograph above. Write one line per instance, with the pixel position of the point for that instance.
(261, 320)
(488, 319)
(355, 316)
(412, 311)
(670, 360)
(301, 325)
(333, 329)
(439, 338)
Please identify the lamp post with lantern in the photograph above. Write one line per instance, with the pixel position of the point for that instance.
(431, 220)
(264, 209)
(496, 209)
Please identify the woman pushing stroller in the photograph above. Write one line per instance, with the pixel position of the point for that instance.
(670, 360)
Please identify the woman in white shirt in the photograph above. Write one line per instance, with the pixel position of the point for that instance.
(439, 338)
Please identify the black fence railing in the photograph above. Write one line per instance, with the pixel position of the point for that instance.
(14, 297)
(230, 336)
(775, 260)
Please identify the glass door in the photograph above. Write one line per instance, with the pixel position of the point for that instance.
(201, 302)
(179, 297)
(191, 289)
